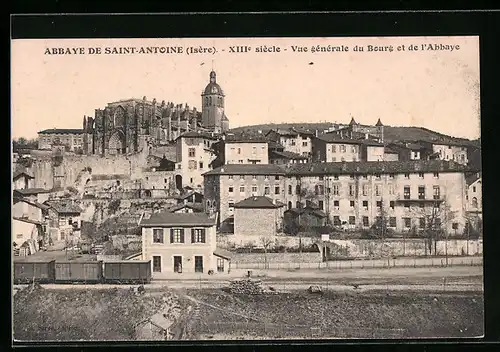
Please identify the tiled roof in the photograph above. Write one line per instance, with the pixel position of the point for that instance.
(308, 210)
(62, 131)
(245, 139)
(409, 146)
(222, 253)
(287, 155)
(274, 145)
(19, 173)
(285, 133)
(31, 191)
(35, 204)
(336, 138)
(194, 206)
(257, 202)
(470, 179)
(372, 167)
(360, 167)
(64, 207)
(189, 194)
(194, 134)
(29, 221)
(177, 219)
(246, 169)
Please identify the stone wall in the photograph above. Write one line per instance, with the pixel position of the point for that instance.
(399, 248)
(276, 257)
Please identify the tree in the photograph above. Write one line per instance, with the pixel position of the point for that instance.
(379, 228)
(266, 242)
(437, 219)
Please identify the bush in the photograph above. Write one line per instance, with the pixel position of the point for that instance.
(113, 206)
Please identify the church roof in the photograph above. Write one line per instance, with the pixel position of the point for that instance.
(213, 87)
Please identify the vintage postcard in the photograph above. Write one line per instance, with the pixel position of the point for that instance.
(246, 189)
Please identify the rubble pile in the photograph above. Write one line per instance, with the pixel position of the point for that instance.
(246, 287)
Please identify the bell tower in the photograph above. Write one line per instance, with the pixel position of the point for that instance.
(212, 102)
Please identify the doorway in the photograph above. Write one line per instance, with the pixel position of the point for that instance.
(220, 265)
(177, 264)
(178, 182)
(198, 264)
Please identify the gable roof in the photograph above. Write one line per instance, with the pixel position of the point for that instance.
(308, 210)
(257, 202)
(29, 221)
(35, 204)
(470, 179)
(246, 169)
(177, 219)
(17, 174)
(194, 206)
(189, 194)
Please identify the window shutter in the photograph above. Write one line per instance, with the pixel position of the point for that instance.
(192, 236)
(171, 235)
(182, 235)
(203, 236)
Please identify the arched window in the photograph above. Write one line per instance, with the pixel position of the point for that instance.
(210, 100)
(289, 189)
(206, 101)
(474, 202)
(289, 205)
(297, 205)
(208, 204)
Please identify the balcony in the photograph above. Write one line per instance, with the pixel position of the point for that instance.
(417, 199)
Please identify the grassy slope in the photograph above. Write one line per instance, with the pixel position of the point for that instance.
(345, 315)
(80, 314)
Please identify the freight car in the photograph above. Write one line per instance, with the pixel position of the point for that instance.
(75, 272)
(116, 272)
(127, 271)
(29, 270)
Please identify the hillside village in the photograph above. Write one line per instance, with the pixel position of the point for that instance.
(140, 173)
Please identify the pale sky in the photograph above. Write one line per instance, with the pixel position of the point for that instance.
(435, 89)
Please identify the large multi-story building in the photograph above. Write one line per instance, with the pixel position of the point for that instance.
(242, 150)
(72, 139)
(355, 193)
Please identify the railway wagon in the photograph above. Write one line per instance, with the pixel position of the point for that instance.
(78, 272)
(27, 271)
(128, 271)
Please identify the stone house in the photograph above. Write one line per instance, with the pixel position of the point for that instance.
(293, 140)
(22, 180)
(311, 218)
(258, 215)
(180, 243)
(26, 231)
(64, 220)
(474, 200)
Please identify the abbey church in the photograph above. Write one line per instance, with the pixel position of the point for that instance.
(127, 126)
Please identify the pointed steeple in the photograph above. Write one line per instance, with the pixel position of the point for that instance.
(353, 122)
(379, 123)
(84, 123)
(213, 77)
